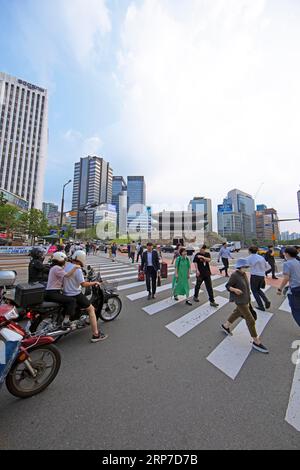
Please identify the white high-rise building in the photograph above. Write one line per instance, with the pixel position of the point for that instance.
(23, 139)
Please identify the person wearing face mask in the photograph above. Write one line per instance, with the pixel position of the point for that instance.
(239, 288)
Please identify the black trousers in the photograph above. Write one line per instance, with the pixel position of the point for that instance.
(208, 285)
(151, 279)
(225, 262)
(69, 303)
(272, 270)
(257, 284)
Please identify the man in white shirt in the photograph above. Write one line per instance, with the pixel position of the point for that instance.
(258, 267)
(225, 254)
(72, 288)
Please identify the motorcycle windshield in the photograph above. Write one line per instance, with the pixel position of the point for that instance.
(9, 348)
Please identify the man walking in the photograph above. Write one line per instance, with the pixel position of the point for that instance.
(291, 276)
(151, 267)
(225, 254)
(258, 267)
(203, 274)
(270, 258)
(132, 251)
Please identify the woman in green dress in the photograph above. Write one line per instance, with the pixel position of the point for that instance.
(181, 284)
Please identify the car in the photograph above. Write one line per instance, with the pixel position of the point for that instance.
(123, 249)
(216, 247)
(168, 248)
(263, 250)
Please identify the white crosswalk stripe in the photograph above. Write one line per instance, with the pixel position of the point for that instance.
(231, 354)
(107, 276)
(285, 306)
(115, 270)
(164, 304)
(293, 409)
(192, 319)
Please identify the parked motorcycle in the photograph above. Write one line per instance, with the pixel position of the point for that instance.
(28, 364)
(47, 317)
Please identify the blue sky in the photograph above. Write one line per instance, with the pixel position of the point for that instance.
(199, 96)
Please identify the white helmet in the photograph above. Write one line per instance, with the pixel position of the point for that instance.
(59, 256)
(80, 255)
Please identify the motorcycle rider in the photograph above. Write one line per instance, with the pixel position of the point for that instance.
(72, 289)
(37, 271)
(54, 288)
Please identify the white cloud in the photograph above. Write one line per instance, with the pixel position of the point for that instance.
(72, 136)
(211, 98)
(92, 145)
(85, 23)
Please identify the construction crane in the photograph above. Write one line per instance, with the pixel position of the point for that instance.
(258, 191)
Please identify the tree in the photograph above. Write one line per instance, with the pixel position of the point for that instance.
(34, 223)
(9, 218)
(3, 201)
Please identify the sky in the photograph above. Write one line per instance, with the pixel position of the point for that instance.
(199, 96)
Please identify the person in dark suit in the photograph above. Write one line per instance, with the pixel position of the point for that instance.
(151, 267)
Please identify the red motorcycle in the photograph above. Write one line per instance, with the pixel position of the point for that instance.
(28, 364)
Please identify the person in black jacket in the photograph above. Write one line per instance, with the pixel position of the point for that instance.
(37, 271)
(151, 267)
(270, 258)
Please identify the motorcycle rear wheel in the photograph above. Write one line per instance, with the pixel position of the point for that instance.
(17, 386)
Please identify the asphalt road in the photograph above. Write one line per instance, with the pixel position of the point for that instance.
(146, 388)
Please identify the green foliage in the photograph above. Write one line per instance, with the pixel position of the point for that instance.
(34, 223)
(3, 201)
(9, 218)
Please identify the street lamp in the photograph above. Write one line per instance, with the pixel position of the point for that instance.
(62, 207)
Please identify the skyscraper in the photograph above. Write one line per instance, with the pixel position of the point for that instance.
(203, 206)
(118, 190)
(236, 216)
(136, 194)
(92, 185)
(23, 139)
(267, 224)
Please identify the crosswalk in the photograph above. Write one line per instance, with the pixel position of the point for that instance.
(229, 356)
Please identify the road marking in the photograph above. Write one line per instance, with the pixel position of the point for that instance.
(128, 278)
(107, 276)
(216, 277)
(221, 288)
(293, 411)
(115, 270)
(164, 304)
(192, 319)
(285, 306)
(233, 351)
(131, 285)
(144, 293)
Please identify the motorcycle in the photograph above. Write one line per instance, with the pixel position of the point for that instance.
(47, 317)
(28, 364)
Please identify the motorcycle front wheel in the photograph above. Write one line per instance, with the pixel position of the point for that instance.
(45, 360)
(111, 309)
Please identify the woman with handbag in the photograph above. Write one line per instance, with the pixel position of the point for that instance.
(181, 284)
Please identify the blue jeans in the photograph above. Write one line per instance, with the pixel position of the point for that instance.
(294, 302)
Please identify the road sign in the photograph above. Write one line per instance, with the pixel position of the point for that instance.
(273, 237)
